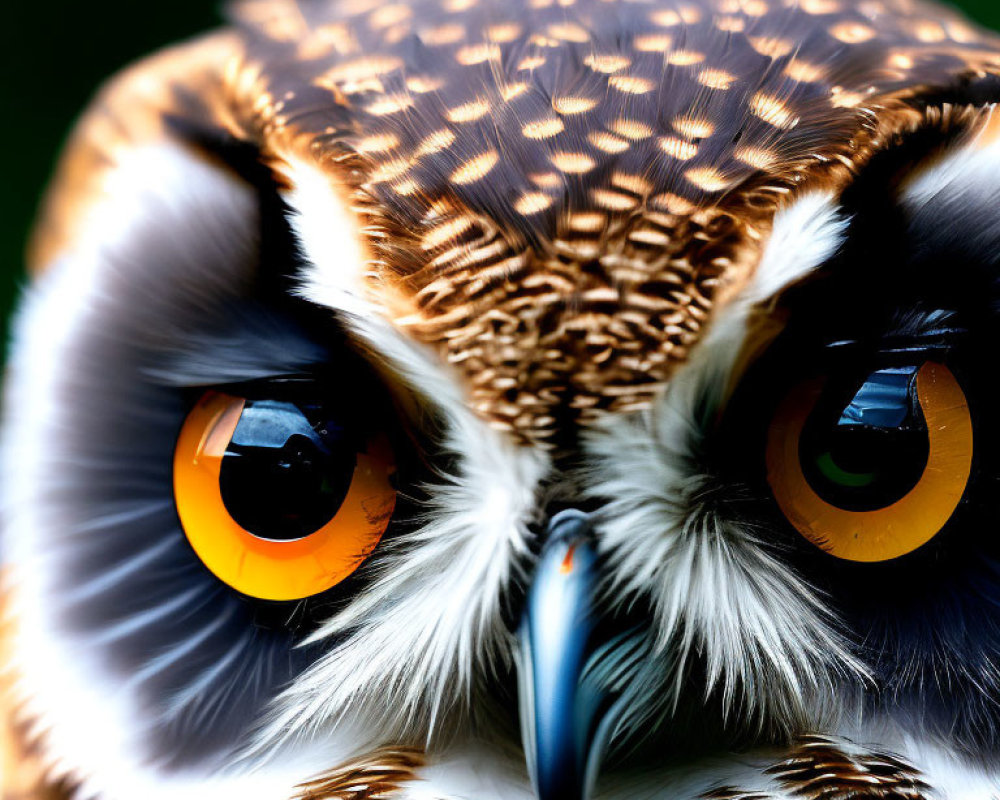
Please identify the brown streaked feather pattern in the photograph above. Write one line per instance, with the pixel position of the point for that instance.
(556, 193)
(823, 768)
(375, 776)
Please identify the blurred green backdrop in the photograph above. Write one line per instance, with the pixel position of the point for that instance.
(53, 56)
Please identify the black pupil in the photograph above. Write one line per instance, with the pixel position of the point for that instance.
(870, 451)
(286, 470)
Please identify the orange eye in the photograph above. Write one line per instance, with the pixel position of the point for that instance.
(875, 473)
(279, 499)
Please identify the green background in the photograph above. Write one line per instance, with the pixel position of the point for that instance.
(53, 55)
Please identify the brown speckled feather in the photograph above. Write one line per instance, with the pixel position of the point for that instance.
(556, 193)
(375, 776)
(823, 768)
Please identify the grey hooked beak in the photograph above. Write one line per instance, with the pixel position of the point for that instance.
(564, 719)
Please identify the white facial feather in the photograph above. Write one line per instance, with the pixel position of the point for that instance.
(90, 725)
(951, 204)
(330, 238)
(805, 235)
(970, 171)
(713, 588)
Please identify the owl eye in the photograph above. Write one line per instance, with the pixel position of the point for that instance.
(874, 472)
(280, 499)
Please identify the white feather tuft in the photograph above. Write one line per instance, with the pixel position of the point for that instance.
(714, 589)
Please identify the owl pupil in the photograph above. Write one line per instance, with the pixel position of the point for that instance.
(868, 453)
(287, 469)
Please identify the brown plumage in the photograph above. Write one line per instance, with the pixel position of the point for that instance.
(823, 768)
(554, 195)
(376, 776)
(557, 193)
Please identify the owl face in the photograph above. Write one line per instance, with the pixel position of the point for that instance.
(554, 400)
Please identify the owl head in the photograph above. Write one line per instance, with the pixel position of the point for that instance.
(552, 399)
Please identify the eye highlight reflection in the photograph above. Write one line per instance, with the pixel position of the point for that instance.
(277, 498)
(875, 472)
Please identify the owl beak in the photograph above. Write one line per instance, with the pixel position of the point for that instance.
(561, 712)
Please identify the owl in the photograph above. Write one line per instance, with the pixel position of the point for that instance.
(512, 400)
